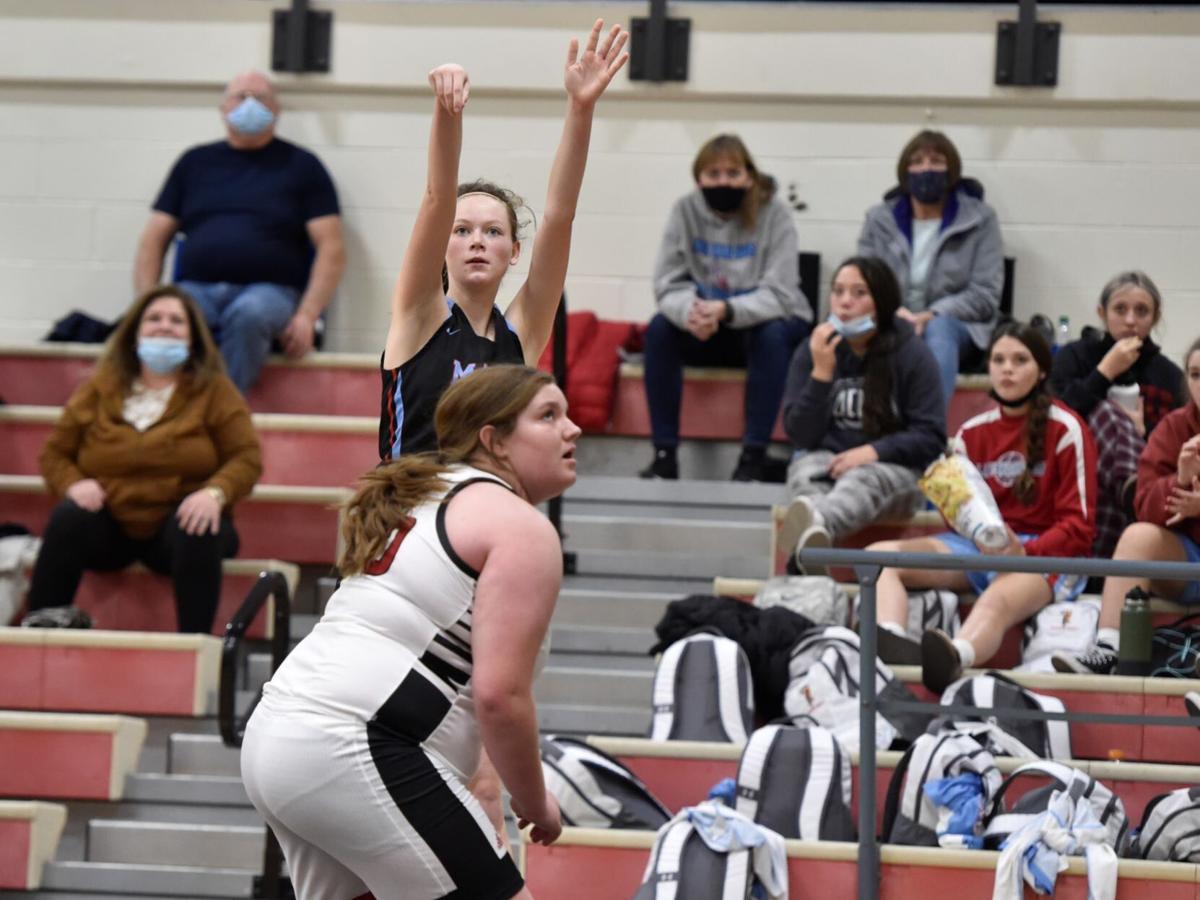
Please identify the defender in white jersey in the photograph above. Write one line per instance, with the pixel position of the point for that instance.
(415, 688)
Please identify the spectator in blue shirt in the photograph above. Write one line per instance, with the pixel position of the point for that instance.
(263, 250)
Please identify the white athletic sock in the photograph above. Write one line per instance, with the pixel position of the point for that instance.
(966, 653)
(1109, 637)
(894, 628)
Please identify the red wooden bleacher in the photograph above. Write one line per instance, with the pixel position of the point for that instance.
(597, 864)
(29, 835)
(134, 673)
(67, 756)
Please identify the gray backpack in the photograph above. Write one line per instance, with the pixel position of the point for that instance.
(796, 781)
(1170, 828)
(703, 691)
(909, 816)
(1059, 777)
(594, 790)
(993, 692)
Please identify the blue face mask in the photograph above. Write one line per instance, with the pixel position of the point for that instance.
(250, 117)
(161, 354)
(852, 328)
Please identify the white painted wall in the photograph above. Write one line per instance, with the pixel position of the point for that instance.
(1102, 173)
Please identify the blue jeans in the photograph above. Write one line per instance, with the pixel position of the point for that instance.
(949, 341)
(764, 350)
(244, 319)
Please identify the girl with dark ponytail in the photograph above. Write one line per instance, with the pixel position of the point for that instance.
(863, 406)
(1039, 461)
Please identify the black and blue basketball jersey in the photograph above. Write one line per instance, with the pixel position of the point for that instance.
(411, 391)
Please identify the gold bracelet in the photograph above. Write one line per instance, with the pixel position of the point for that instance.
(216, 493)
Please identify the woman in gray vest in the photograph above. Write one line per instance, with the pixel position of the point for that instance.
(943, 243)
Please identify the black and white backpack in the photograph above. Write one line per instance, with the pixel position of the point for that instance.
(1170, 828)
(1082, 787)
(594, 790)
(797, 782)
(683, 867)
(1064, 627)
(703, 691)
(929, 609)
(909, 815)
(823, 684)
(1026, 738)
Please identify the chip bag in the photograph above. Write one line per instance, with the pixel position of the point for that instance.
(956, 488)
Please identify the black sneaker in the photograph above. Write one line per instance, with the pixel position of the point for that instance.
(57, 617)
(897, 649)
(1100, 660)
(665, 466)
(940, 663)
(751, 465)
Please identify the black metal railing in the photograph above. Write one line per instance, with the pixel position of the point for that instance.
(867, 566)
(270, 585)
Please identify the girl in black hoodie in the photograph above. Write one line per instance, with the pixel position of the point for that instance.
(1124, 386)
(863, 407)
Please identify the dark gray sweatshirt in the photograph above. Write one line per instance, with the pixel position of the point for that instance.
(828, 414)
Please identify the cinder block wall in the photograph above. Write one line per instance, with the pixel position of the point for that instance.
(1098, 174)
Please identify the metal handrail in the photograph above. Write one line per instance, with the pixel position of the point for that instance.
(269, 585)
(867, 565)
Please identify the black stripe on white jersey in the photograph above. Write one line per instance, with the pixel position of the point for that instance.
(454, 645)
(448, 672)
(406, 719)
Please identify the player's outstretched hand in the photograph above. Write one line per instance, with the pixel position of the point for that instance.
(451, 87)
(587, 76)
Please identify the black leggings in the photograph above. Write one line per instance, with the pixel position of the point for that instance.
(76, 540)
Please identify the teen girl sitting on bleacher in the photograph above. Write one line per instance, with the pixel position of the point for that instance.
(1040, 463)
(445, 322)
(863, 405)
(1168, 530)
(1123, 385)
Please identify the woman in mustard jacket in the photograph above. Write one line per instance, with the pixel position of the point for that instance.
(148, 458)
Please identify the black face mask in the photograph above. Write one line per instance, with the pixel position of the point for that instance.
(1021, 401)
(723, 199)
(929, 186)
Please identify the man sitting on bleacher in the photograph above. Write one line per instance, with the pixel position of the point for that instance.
(263, 250)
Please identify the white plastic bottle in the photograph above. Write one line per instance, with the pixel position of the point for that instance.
(1062, 334)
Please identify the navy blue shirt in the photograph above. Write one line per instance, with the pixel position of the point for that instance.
(244, 212)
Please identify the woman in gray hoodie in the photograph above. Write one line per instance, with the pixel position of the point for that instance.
(727, 282)
(944, 246)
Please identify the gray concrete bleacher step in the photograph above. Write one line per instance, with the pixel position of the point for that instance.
(581, 719)
(170, 844)
(662, 534)
(200, 790)
(127, 880)
(594, 687)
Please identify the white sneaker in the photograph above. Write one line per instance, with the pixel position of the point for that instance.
(814, 536)
(796, 519)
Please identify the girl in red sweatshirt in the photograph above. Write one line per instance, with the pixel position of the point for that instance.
(1039, 460)
(1168, 528)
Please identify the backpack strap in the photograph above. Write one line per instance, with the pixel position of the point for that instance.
(892, 805)
(750, 769)
(664, 691)
(737, 875)
(728, 658)
(668, 858)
